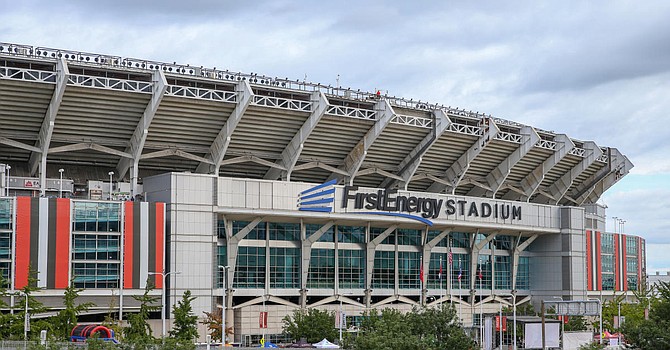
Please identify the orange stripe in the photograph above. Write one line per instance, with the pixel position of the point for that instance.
(617, 261)
(599, 263)
(62, 243)
(22, 241)
(128, 246)
(624, 268)
(160, 234)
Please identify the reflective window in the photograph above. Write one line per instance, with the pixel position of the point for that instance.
(409, 270)
(383, 273)
(97, 217)
(607, 243)
(434, 233)
(5, 270)
(483, 273)
(607, 263)
(95, 275)
(461, 267)
(480, 237)
(631, 265)
(284, 231)
(523, 273)
(257, 232)
(460, 240)
(284, 267)
(5, 245)
(221, 260)
(377, 231)
(631, 246)
(95, 247)
(221, 228)
(502, 242)
(351, 268)
(437, 272)
(632, 282)
(327, 236)
(608, 281)
(407, 236)
(6, 212)
(503, 271)
(351, 234)
(321, 269)
(250, 269)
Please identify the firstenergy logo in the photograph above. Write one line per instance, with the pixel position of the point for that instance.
(392, 205)
(319, 198)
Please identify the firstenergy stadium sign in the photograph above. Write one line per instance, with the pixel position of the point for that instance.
(388, 202)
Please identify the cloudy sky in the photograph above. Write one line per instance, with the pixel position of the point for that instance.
(596, 70)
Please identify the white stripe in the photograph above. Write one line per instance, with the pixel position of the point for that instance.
(144, 243)
(43, 250)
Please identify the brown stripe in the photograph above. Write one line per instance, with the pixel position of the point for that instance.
(152, 243)
(34, 234)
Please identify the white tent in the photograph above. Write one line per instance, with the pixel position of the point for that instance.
(325, 344)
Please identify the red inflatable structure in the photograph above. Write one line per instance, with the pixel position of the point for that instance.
(82, 332)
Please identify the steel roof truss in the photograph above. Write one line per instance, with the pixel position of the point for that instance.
(599, 183)
(253, 159)
(21, 145)
(89, 145)
(321, 165)
(355, 158)
(380, 172)
(531, 183)
(291, 153)
(217, 151)
(559, 188)
(495, 179)
(454, 175)
(175, 152)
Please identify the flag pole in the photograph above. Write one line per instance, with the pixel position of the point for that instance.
(441, 289)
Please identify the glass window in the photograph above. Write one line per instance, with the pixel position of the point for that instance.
(632, 282)
(631, 246)
(607, 243)
(5, 271)
(377, 231)
(95, 247)
(5, 245)
(284, 231)
(483, 273)
(97, 217)
(383, 273)
(257, 232)
(221, 260)
(6, 213)
(96, 275)
(221, 228)
(608, 263)
(461, 267)
(502, 242)
(321, 269)
(523, 273)
(351, 268)
(284, 267)
(351, 234)
(438, 262)
(434, 233)
(250, 269)
(409, 270)
(460, 240)
(608, 281)
(503, 272)
(407, 236)
(631, 265)
(327, 236)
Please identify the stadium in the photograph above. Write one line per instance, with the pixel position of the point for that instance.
(266, 195)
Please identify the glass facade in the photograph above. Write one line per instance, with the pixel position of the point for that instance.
(632, 282)
(523, 273)
(409, 270)
(284, 267)
(434, 280)
(351, 268)
(631, 246)
(483, 277)
(460, 240)
(221, 259)
(327, 236)
(503, 272)
(377, 231)
(351, 234)
(250, 269)
(321, 269)
(461, 268)
(383, 273)
(257, 232)
(6, 213)
(408, 237)
(6, 226)
(284, 231)
(607, 243)
(96, 244)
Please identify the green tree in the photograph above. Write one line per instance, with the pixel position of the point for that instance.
(35, 307)
(138, 331)
(66, 319)
(575, 323)
(213, 323)
(313, 325)
(652, 333)
(7, 320)
(185, 328)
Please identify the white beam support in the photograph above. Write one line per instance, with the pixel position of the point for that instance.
(370, 254)
(175, 152)
(291, 153)
(531, 183)
(559, 188)
(355, 158)
(515, 256)
(620, 167)
(382, 172)
(91, 146)
(474, 255)
(321, 165)
(307, 243)
(233, 241)
(21, 145)
(497, 176)
(217, 151)
(412, 161)
(457, 171)
(159, 86)
(46, 130)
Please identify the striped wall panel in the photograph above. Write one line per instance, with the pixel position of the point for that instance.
(589, 262)
(143, 248)
(624, 264)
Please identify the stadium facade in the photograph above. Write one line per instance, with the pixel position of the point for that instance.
(311, 195)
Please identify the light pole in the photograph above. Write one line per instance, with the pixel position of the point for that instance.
(111, 173)
(60, 184)
(600, 314)
(8, 169)
(513, 295)
(224, 286)
(164, 276)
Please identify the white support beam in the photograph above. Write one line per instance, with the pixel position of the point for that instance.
(559, 188)
(159, 86)
(174, 152)
(91, 146)
(21, 145)
(306, 253)
(412, 161)
(457, 171)
(474, 254)
(39, 160)
(382, 172)
(515, 256)
(371, 247)
(291, 153)
(620, 167)
(355, 158)
(233, 241)
(321, 165)
(497, 176)
(531, 183)
(217, 151)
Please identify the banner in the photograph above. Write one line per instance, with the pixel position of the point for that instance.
(263, 320)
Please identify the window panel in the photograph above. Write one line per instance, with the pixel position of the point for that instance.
(250, 269)
(284, 231)
(503, 271)
(383, 273)
(351, 268)
(284, 267)
(351, 234)
(523, 273)
(461, 267)
(409, 270)
(257, 232)
(321, 269)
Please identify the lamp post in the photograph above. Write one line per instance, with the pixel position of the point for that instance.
(164, 276)
(600, 314)
(60, 184)
(224, 286)
(111, 173)
(26, 317)
(513, 295)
